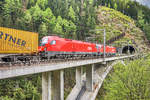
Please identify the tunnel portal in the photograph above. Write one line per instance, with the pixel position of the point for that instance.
(128, 49)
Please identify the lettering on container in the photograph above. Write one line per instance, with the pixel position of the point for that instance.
(12, 39)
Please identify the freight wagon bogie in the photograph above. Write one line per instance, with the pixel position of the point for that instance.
(8, 59)
(19, 58)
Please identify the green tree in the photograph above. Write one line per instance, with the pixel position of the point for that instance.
(146, 29)
(49, 19)
(36, 13)
(71, 14)
(27, 21)
(115, 6)
(140, 19)
(43, 30)
(12, 13)
(58, 27)
(42, 4)
(69, 29)
(6, 98)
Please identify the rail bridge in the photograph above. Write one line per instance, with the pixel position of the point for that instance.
(87, 84)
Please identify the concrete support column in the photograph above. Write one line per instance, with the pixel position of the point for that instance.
(53, 85)
(58, 85)
(89, 77)
(46, 86)
(78, 77)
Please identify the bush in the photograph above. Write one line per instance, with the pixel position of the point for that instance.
(6, 98)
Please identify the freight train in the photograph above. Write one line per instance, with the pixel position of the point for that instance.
(23, 45)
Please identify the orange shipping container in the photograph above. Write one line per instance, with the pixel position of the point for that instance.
(14, 41)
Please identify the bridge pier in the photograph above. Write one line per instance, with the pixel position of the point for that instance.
(78, 77)
(89, 77)
(53, 87)
(46, 85)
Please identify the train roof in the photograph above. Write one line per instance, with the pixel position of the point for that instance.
(76, 41)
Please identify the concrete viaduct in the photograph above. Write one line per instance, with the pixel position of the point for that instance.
(87, 85)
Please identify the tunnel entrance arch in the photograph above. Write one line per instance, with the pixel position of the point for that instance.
(128, 49)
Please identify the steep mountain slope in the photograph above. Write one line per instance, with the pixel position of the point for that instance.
(117, 23)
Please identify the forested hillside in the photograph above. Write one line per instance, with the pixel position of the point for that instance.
(66, 18)
(75, 19)
(127, 82)
(140, 13)
(116, 23)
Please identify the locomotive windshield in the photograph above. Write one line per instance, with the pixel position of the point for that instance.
(53, 42)
(44, 41)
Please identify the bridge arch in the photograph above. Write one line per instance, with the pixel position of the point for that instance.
(128, 49)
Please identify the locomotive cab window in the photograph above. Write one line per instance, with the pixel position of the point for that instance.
(53, 42)
(97, 47)
(44, 41)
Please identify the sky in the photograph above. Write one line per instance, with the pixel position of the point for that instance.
(144, 2)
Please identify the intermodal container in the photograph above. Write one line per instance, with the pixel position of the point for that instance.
(14, 41)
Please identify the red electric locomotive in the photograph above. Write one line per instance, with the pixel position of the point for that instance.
(54, 45)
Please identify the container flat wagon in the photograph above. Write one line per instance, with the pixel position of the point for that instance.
(17, 42)
(14, 41)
